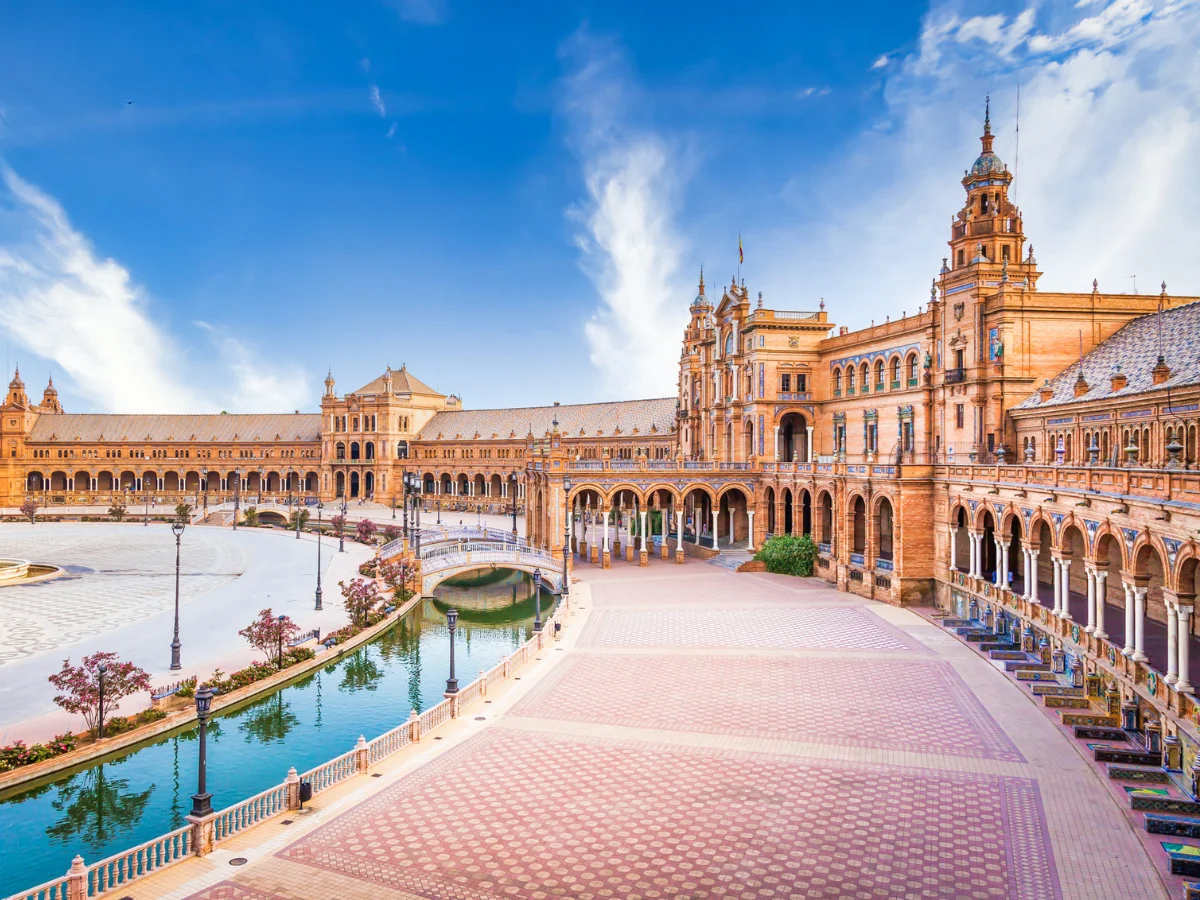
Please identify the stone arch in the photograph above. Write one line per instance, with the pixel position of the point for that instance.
(987, 527)
(787, 503)
(794, 435)
(769, 500)
(82, 480)
(623, 491)
(895, 372)
(806, 512)
(884, 518)
(58, 480)
(733, 512)
(856, 507)
(824, 516)
(697, 505)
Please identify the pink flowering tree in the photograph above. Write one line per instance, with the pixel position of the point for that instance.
(79, 686)
(391, 532)
(29, 510)
(361, 599)
(268, 631)
(338, 523)
(397, 575)
(366, 530)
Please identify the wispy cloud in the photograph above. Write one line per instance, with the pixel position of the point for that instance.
(377, 101)
(814, 92)
(420, 12)
(391, 132)
(881, 62)
(1109, 126)
(628, 238)
(86, 314)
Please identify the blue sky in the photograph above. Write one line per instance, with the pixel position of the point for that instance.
(514, 200)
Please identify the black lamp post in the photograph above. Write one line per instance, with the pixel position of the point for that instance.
(177, 530)
(260, 485)
(512, 484)
(537, 599)
(406, 481)
(202, 799)
(439, 511)
(320, 508)
(204, 475)
(237, 495)
(566, 582)
(342, 528)
(280, 619)
(417, 487)
(100, 670)
(451, 621)
(146, 510)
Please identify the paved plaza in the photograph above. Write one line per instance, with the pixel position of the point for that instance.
(704, 734)
(119, 595)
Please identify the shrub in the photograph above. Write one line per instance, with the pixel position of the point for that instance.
(392, 532)
(365, 531)
(116, 512)
(787, 554)
(302, 514)
(187, 688)
(369, 569)
(17, 754)
(29, 510)
(250, 517)
(183, 512)
(268, 633)
(80, 686)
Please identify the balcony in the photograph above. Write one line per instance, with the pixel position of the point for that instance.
(956, 376)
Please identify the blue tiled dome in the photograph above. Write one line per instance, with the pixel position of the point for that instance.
(986, 164)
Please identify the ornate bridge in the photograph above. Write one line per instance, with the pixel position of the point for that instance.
(449, 558)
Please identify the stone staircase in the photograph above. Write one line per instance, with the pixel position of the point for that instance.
(1160, 799)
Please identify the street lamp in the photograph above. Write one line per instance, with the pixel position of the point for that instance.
(451, 621)
(260, 485)
(202, 799)
(320, 508)
(177, 530)
(204, 475)
(566, 582)
(342, 527)
(280, 619)
(146, 511)
(512, 482)
(537, 599)
(237, 495)
(100, 670)
(406, 482)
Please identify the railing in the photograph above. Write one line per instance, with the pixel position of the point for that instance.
(956, 376)
(856, 559)
(142, 860)
(885, 565)
(249, 812)
(84, 882)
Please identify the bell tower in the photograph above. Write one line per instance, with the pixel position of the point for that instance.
(988, 232)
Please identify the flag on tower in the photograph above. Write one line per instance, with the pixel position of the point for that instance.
(741, 254)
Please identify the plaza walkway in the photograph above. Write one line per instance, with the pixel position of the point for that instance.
(705, 734)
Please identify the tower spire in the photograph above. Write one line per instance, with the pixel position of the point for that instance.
(987, 137)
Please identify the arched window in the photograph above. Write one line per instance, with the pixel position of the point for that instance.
(912, 369)
(370, 449)
(339, 450)
(354, 450)
(864, 376)
(850, 376)
(895, 371)
(837, 381)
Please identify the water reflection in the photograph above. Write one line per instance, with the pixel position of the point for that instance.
(269, 720)
(97, 808)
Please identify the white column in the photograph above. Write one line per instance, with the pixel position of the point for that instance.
(776, 443)
(810, 446)
(678, 531)
(1139, 624)
(629, 529)
(1033, 576)
(1057, 585)
(730, 526)
(643, 534)
(1004, 550)
(750, 539)
(604, 516)
(1025, 570)
(714, 530)
(1091, 600)
(971, 555)
(1101, 593)
(1172, 645)
(1066, 589)
(953, 548)
(1127, 650)
(1183, 684)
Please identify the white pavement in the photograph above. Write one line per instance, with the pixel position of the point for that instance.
(122, 600)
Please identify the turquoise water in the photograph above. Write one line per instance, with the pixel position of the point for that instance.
(134, 797)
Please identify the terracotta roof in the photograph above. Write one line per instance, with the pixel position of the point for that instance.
(227, 427)
(1134, 348)
(575, 420)
(402, 383)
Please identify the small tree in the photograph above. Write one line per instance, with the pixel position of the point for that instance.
(269, 632)
(361, 598)
(397, 576)
(787, 554)
(301, 514)
(366, 531)
(116, 512)
(337, 523)
(29, 510)
(79, 686)
(250, 516)
(183, 512)
(391, 532)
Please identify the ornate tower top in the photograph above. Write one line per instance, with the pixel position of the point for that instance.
(329, 384)
(701, 301)
(50, 397)
(16, 391)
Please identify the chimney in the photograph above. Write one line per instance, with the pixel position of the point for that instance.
(1161, 371)
(1081, 385)
(1045, 392)
(1119, 380)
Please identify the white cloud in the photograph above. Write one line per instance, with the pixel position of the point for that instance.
(1109, 131)
(87, 316)
(391, 132)
(377, 101)
(421, 12)
(881, 62)
(814, 92)
(629, 240)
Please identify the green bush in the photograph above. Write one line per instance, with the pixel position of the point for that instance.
(787, 554)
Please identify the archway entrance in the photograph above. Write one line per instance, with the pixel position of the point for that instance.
(794, 438)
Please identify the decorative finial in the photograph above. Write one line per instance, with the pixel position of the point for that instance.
(1164, 289)
(760, 300)
(933, 289)
(702, 281)
(987, 114)
(822, 304)
(1004, 270)
(1031, 259)
(1095, 285)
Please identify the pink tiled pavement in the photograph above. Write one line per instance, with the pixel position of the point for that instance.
(910, 704)
(809, 628)
(228, 890)
(511, 814)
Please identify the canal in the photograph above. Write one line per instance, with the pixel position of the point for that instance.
(130, 798)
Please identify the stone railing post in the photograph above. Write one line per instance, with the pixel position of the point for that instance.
(77, 888)
(202, 833)
(453, 698)
(362, 756)
(293, 789)
(414, 724)
(482, 683)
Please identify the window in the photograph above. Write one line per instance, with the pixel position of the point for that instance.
(785, 382)
(1004, 253)
(837, 381)
(912, 370)
(983, 204)
(801, 383)
(850, 380)
(960, 259)
(896, 371)
(879, 375)
(959, 415)
(960, 359)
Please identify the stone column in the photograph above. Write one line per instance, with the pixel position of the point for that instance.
(750, 539)
(643, 555)
(1057, 584)
(679, 536)
(1033, 575)
(1004, 550)
(1066, 589)
(1183, 684)
(1127, 650)
(731, 526)
(1139, 624)
(714, 530)
(810, 446)
(1091, 600)
(776, 443)
(607, 560)
(1172, 645)
(1101, 593)
(629, 537)
(953, 548)
(970, 554)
